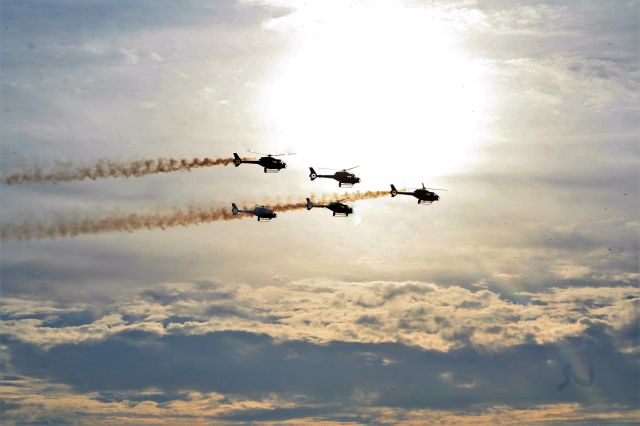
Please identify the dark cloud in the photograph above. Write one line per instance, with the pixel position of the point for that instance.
(70, 319)
(369, 320)
(93, 17)
(63, 272)
(277, 414)
(468, 304)
(225, 311)
(139, 397)
(254, 365)
(204, 291)
(412, 288)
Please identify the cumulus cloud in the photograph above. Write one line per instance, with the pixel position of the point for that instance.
(36, 401)
(146, 369)
(425, 315)
(29, 400)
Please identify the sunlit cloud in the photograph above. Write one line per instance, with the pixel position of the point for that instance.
(426, 315)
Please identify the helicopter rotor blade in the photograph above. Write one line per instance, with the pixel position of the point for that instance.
(271, 155)
(351, 168)
(437, 189)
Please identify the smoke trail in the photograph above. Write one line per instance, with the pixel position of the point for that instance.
(357, 196)
(331, 196)
(112, 169)
(569, 373)
(70, 227)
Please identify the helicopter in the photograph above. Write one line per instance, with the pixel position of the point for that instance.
(338, 208)
(262, 212)
(423, 194)
(344, 177)
(267, 161)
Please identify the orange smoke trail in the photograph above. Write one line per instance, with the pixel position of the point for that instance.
(113, 169)
(114, 223)
(135, 221)
(348, 196)
(367, 195)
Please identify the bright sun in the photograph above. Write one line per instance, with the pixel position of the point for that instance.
(381, 85)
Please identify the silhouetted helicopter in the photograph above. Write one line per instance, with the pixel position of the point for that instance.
(268, 162)
(423, 194)
(343, 177)
(262, 212)
(338, 208)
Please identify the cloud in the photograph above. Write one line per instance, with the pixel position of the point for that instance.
(426, 315)
(250, 366)
(94, 18)
(574, 82)
(29, 401)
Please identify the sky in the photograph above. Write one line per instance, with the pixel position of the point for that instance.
(512, 299)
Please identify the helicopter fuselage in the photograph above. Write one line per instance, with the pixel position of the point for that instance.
(269, 163)
(343, 177)
(338, 208)
(262, 213)
(423, 195)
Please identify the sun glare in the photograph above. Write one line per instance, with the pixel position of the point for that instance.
(373, 84)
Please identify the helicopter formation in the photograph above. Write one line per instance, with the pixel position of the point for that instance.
(344, 177)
